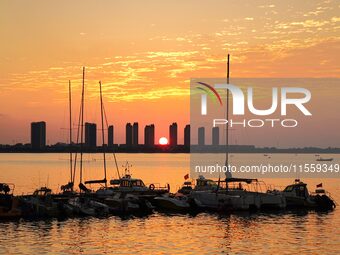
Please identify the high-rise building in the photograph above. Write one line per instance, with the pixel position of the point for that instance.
(38, 135)
(201, 136)
(135, 134)
(173, 134)
(90, 135)
(187, 135)
(149, 135)
(215, 136)
(110, 136)
(152, 135)
(128, 132)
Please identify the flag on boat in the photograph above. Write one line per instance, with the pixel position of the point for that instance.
(186, 176)
(319, 185)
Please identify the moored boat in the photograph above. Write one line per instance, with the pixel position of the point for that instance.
(85, 206)
(233, 194)
(9, 204)
(298, 196)
(173, 203)
(126, 203)
(324, 159)
(41, 203)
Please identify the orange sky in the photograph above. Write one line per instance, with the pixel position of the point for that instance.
(145, 53)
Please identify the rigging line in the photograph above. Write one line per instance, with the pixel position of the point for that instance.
(102, 118)
(78, 134)
(113, 151)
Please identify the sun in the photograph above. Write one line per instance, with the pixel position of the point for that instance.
(163, 141)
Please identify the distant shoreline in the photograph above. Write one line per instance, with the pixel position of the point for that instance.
(169, 149)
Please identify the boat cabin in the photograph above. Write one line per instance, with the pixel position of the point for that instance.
(186, 188)
(126, 183)
(205, 184)
(298, 189)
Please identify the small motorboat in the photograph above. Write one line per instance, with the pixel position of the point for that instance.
(173, 203)
(86, 206)
(324, 159)
(297, 196)
(126, 203)
(136, 186)
(40, 204)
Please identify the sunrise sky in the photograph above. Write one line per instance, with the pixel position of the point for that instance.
(145, 53)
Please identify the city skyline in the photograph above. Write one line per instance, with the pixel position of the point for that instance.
(39, 135)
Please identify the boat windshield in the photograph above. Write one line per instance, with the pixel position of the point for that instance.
(289, 188)
(132, 183)
(137, 183)
(203, 183)
(300, 190)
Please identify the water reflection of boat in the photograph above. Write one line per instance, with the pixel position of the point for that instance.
(297, 195)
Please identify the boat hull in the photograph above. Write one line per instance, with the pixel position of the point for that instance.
(172, 204)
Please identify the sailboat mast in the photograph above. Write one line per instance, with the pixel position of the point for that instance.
(82, 127)
(227, 117)
(103, 139)
(70, 111)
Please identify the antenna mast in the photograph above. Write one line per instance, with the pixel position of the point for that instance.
(70, 111)
(82, 127)
(227, 117)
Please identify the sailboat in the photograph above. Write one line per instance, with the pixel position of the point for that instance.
(84, 203)
(209, 194)
(119, 200)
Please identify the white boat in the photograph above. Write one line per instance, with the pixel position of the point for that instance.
(237, 194)
(126, 203)
(87, 206)
(175, 203)
(297, 196)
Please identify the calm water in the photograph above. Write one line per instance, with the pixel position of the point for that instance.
(257, 233)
